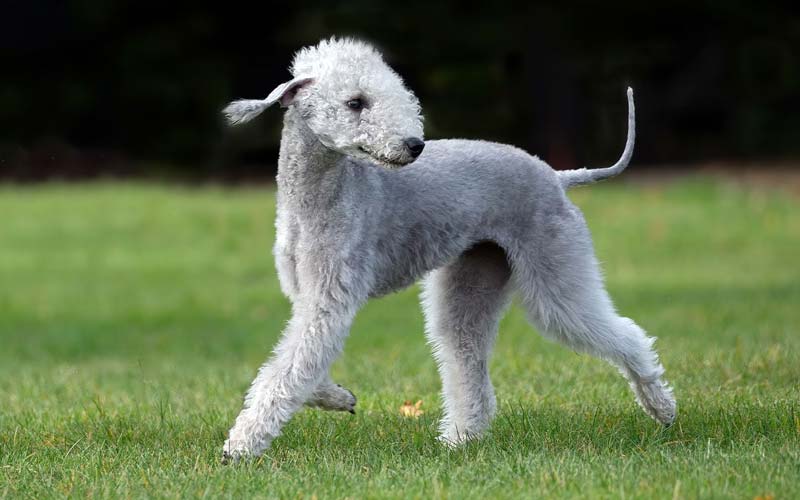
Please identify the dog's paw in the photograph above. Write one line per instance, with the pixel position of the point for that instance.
(246, 440)
(454, 438)
(235, 452)
(657, 400)
(333, 397)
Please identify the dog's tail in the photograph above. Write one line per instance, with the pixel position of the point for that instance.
(581, 176)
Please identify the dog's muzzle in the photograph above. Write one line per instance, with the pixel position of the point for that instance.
(414, 145)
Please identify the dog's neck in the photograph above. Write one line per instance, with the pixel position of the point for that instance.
(308, 172)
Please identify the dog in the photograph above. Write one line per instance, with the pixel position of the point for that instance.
(366, 207)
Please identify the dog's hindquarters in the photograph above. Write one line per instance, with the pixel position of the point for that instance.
(562, 289)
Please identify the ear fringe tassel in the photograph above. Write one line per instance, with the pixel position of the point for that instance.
(244, 110)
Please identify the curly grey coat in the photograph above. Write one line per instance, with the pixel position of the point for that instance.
(479, 219)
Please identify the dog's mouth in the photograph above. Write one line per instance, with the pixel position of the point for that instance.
(390, 163)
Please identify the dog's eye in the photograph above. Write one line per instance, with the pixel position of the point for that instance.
(355, 104)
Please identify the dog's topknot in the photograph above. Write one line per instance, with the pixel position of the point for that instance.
(331, 54)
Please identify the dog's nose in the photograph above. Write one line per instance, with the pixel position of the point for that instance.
(415, 146)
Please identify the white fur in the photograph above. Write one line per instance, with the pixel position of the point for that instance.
(480, 219)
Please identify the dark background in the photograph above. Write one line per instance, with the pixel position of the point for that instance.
(101, 88)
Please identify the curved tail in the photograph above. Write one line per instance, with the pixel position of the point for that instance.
(578, 177)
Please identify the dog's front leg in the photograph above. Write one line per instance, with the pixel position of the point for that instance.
(333, 397)
(312, 340)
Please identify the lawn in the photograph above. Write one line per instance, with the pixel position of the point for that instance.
(133, 317)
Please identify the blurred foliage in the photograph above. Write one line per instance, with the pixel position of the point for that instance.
(92, 86)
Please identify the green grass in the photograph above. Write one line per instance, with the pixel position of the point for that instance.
(133, 317)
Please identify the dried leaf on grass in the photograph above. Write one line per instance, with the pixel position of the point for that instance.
(409, 409)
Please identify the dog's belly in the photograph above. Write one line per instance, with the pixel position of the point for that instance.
(390, 286)
(397, 272)
(402, 262)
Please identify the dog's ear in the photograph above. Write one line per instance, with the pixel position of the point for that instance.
(244, 110)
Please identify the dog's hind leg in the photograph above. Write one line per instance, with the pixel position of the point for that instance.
(562, 290)
(463, 303)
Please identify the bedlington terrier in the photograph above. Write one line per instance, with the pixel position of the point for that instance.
(480, 219)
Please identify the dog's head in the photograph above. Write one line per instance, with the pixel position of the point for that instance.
(351, 99)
